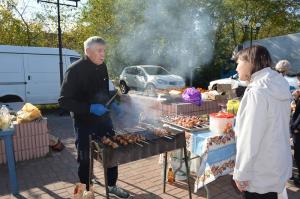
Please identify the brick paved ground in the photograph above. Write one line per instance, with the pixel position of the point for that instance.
(54, 176)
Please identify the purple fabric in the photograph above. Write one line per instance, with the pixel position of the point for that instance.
(192, 95)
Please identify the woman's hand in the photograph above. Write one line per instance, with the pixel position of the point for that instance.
(242, 185)
(296, 94)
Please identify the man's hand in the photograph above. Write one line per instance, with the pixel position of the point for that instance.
(242, 185)
(98, 109)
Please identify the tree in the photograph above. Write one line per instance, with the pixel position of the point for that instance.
(141, 32)
(277, 18)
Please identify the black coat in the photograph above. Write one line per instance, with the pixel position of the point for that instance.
(295, 122)
(85, 83)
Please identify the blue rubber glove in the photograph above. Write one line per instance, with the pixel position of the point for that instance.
(116, 108)
(98, 109)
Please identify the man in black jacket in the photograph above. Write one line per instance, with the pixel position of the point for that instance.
(84, 92)
(295, 130)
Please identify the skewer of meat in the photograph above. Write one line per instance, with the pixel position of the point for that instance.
(109, 142)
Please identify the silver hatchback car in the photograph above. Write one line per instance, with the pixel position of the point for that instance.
(144, 77)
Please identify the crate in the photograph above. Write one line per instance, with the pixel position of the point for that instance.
(31, 141)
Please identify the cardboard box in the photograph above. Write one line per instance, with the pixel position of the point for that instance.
(231, 94)
(221, 97)
(221, 88)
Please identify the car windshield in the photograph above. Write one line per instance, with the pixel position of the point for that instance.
(156, 71)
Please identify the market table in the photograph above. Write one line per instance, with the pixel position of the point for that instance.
(30, 141)
(110, 157)
(217, 155)
(9, 149)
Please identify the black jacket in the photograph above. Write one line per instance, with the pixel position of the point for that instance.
(85, 83)
(295, 122)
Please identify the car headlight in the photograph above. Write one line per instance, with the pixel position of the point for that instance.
(160, 81)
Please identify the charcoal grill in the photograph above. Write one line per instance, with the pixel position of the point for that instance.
(110, 157)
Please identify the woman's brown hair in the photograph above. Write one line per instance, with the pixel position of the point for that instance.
(258, 56)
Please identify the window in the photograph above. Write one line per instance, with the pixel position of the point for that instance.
(156, 70)
(131, 71)
(127, 70)
(74, 59)
(140, 72)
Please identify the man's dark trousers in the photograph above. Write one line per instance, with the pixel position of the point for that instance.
(82, 132)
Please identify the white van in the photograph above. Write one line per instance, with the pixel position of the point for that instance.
(31, 74)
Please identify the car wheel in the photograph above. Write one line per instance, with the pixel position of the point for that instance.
(124, 88)
(214, 87)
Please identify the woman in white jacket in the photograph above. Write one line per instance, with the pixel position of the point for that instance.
(264, 159)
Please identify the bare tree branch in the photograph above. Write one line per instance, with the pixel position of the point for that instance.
(23, 19)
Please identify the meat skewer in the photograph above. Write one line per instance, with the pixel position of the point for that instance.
(144, 142)
(160, 132)
(108, 141)
(125, 139)
(139, 144)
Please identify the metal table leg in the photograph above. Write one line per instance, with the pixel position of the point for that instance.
(11, 164)
(165, 171)
(187, 171)
(91, 167)
(207, 192)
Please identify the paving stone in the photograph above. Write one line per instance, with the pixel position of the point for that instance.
(55, 176)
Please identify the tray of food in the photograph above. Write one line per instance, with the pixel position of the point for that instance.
(188, 123)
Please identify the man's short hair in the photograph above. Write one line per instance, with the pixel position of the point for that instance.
(93, 40)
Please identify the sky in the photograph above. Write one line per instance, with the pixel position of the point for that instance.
(30, 7)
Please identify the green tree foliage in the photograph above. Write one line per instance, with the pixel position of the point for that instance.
(277, 17)
(114, 19)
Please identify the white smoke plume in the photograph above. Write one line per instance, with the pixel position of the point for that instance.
(172, 34)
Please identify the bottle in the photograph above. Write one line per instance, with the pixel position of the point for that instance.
(293, 106)
(171, 177)
(5, 118)
(4, 110)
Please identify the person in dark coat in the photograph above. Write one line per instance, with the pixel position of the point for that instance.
(295, 130)
(84, 92)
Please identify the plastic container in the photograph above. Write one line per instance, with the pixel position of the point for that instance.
(219, 122)
(5, 118)
(233, 106)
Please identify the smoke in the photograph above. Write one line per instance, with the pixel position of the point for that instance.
(134, 109)
(171, 33)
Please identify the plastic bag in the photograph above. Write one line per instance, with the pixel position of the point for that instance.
(81, 193)
(192, 95)
(5, 118)
(283, 195)
(28, 113)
